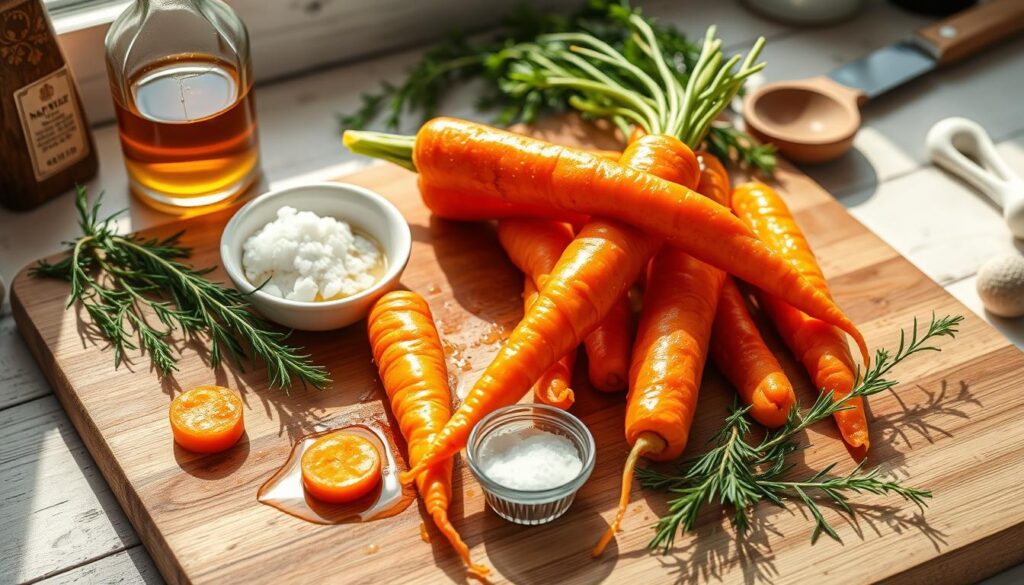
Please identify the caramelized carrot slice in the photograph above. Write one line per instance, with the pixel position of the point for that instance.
(340, 467)
(207, 419)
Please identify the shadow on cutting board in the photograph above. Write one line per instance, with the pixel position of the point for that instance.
(538, 554)
(850, 178)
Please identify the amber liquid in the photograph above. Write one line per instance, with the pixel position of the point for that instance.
(188, 131)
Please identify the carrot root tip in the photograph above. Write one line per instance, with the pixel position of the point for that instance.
(614, 382)
(408, 477)
(647, 442)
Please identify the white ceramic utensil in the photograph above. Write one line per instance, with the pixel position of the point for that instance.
(962, 147)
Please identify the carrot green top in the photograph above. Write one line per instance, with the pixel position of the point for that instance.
(605, 83)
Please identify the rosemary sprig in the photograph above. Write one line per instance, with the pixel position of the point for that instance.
(738, 473)
(137, 292)
(497, 62)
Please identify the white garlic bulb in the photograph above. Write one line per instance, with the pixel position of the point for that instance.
(1001, 285)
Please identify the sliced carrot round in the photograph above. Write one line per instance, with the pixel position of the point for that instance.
(207, 419)
(340, 467)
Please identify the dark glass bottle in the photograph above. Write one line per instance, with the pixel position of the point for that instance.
(45, 144)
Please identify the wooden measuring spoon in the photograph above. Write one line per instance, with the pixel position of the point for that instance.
(815, 120)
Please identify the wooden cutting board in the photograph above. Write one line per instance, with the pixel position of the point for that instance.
(954, 426)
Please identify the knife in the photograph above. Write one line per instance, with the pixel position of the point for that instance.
(942, 43)
(815, 120)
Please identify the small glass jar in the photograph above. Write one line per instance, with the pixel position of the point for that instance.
(181, 78)
(526, 506)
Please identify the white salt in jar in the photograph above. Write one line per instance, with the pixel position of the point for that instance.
(530, 460)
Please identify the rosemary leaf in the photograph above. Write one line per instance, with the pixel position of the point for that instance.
(740, 474)
(137, 292)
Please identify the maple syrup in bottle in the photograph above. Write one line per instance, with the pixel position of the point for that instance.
(45, 144)
(181, 78)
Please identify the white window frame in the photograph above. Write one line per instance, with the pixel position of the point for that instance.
(291, 36)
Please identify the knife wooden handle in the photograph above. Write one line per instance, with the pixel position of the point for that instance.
(967, 32)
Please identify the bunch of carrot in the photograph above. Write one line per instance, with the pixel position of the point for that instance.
(661, 215)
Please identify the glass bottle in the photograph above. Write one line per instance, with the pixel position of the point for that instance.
(181, 78)
(45, 144)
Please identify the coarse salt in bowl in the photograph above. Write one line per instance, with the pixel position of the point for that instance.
(530, 460)
(367, 212)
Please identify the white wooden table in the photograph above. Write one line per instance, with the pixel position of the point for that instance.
(58, 519)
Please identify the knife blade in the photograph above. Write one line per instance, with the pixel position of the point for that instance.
(885, 68)
(940, 43)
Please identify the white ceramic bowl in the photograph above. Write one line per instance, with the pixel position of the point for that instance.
(365, 210)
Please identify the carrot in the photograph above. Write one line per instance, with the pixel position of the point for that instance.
(534, 247)
(819, 346)
(740, 353)
(591, 276)
(714, 179)
(473, 207)
(680, 301)
(609, 348)
(554, 386)
(207, 419)
(737, 348)
(340, 467)
(461, 206)
(472, 158)
(412, 368)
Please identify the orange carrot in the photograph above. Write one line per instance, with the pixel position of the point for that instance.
(740, 353)
(534, 247)
(737, 348)
(819, 346)
(461, 206)
(714, 179)
(554, 386)
(591, 276)
(340, 467)
(680, 301)
(472, 158)
(474, 207)
(408, 353)
(207, 419)
(668, 360)
(609, 348)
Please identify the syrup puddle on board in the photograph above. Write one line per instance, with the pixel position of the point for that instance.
(284, 489)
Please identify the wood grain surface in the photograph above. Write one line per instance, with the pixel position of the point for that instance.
(953, 426)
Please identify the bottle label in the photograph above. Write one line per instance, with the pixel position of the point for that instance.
(53, 125)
